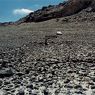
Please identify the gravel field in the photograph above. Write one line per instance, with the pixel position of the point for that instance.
(63, 66)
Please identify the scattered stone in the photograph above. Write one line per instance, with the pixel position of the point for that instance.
(59, 33)
(21, 92)
(93, 79)
(6, 72)
(78, 92)
(19, 73)
(91, 83)
(46, 92)
(30, 86)
(92, 87)
(49, 76)
(70, 71)
(67, 81)
(68, 86)
(6, 82)
(27, 71)
(78, 87)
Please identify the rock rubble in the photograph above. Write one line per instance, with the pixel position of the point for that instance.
(48, 76)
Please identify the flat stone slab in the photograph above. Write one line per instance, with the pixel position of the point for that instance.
(6, 72)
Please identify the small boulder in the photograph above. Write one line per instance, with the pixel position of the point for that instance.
(6, 72)
(21, 92)
(59, 33)
(30, 86)
(20, 74)
(46, 92)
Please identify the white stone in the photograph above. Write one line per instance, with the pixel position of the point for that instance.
(59, 33)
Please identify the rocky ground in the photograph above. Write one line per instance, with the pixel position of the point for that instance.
(56, 69)
(63, 66)
(36, 60)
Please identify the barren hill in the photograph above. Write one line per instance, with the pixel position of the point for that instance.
(67, 8)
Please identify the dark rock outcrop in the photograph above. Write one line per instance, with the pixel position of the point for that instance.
(6, 72)
(7, 23)
(66, 8)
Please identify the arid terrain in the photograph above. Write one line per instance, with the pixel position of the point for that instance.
(65, 66)
(36, 60)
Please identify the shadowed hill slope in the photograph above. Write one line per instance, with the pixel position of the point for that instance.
(66, 8)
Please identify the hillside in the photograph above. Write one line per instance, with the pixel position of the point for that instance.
(67, 8)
